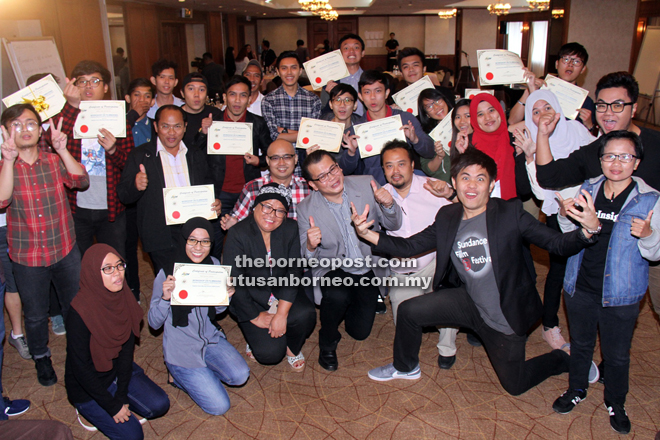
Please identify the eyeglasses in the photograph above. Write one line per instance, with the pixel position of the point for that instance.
(284, 157)
(325, 176)
(109, 270)
(93, 83)
(436, 103)
(577, 62)
(167, 127)
(193, 242)
(623, 158)
(616, 106)
(267, 209)
(18, 126)
(345, 101)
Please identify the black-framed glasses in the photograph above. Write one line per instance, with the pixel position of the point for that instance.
(577, 62)
(19, 126)
(284, 157)
(616, 106)
(267, 209)
(325, 176)
(345, 101)
(193, 242)
(437, 103)
(109, 270)
(93, 83)
(623, 158)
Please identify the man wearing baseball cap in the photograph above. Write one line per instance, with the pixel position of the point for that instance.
(193, 91)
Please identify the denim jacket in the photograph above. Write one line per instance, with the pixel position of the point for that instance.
(626, 274)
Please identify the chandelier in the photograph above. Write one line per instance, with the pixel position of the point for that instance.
(312, 5)
(557, 13)
(499, 8)
(447, 13)
(329, 15)
(541, 5)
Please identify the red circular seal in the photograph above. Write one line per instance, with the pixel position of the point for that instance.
(183, 294)
(305, 140)
(449, 144)
(369, 147)
(318, 80)
(216, 145)
(409, 110)
(489, 76)
(84, 129)
(176, 214)
(472, 96)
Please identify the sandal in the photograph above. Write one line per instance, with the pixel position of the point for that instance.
(248, 353)
(293, 360)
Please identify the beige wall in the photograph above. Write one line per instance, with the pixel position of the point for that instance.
(374, 24)
(605, 28)
(282, 33)
(409, 31)
(479, 32)
(439, 35)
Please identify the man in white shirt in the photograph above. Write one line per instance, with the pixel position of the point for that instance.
(254, 73)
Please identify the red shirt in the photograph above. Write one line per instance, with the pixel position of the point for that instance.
(234, 174)
(39, 224)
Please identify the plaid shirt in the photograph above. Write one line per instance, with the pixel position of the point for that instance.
(299, 190)
(114, 163)
(281, 110)
(39, 224)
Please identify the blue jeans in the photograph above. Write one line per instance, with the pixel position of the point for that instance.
(145, 398)
(33, 287)
(3, 416)
(204, 385)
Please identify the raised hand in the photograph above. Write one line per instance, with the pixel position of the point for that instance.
(251, 159)
(409, 131)
(9, 150)
(582, 210)
(227, 221)
(585, 117)
(438, 188)
(206, 123)
(350, 143)
(642, 228)
(547, 124)
(312, 149)
(168, 287)
(439, 150)
(58, 138)
(141, 180)
(360, 221)
(313, 235)
(524, 141)
(216, 206)
(72, 93)
(107, 140)
(382, 196)
(461, 142)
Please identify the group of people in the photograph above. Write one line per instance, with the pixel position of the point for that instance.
(444, 222)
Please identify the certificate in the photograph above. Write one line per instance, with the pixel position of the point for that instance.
(471, 93)
(406, 99)
(95, 115)
(328, 67)
(498, 66)
(229, 138)
(45, 96)
(570, 96)
(185, 202)
(443, 132)
(373, 135)
(326, 134)
(200, 285)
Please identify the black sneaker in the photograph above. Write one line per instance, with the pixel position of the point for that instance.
(45, 373)
(619, 420)
(567, 401)
(473, 339)
(380, 305)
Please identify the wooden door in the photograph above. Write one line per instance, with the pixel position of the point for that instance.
(173, 47)
(319, 30)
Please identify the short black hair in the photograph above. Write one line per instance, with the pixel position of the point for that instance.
(207, 56)
(619, 79)
(37, 76)
(120, 50)
(287, 54)
(370, 77)
(88, 67)
(393, 145)
(300, 43)
(162, 64)
(428, 123)
(351, 37)
(623, 135)
(342, 88)
(15, 112)
(409, 52)
(575, 49)
(266, 43)
(472, 156)
(465, 102)
(238, 79)
(141, 82)
(170, 107)
(314, 158)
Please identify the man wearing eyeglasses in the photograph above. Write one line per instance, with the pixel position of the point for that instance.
(352, 51)
(165, 162)
(97, 212)
(282, 159)
(326, 232)
(616, 104)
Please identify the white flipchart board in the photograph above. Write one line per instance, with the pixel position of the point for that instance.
(647, 68)
(34, 55)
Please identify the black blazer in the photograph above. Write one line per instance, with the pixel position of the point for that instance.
(510, 230)
(244, 239)
(154, 233)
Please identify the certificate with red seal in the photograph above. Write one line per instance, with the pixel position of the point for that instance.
(375, 134)
(200, 285)
(229, 138)
(326, 134)
(406, 99)
(95, 115)
(185, 202)
(499, 66)
(443, 132)
(471, 93)
(328, 67)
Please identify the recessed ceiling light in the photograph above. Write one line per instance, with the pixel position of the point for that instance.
(264, 13)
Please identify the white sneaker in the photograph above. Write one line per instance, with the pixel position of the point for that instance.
(554, 338)
(388, 372)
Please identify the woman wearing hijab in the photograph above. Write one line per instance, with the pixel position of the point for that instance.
(197, 354)
(275, 318)
(433, 106)
(102, 381)
(566, 137)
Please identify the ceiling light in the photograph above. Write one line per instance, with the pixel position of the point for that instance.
(557, 13)
(541, 5)
(447, 13)
(499, 8)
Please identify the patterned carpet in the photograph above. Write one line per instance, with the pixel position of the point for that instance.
(465, 402)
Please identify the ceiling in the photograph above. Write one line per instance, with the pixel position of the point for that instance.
(290, 8)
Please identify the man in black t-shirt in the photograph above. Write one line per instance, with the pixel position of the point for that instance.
(392, 46)
(193, 92)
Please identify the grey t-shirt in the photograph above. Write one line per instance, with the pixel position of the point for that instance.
(93, 159)
(473, 262)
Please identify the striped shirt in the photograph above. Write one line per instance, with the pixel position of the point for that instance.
(175, 168)
(244, 204)
(281, 110)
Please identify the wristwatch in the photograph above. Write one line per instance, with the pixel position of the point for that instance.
(597, 230)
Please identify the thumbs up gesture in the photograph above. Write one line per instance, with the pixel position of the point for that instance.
(382, 196)
(206, 123)
(141, 180)
(642, 228)
(313, 235)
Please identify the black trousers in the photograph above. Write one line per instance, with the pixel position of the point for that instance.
(455, 308)
(356, 305)
(554, 282)
(299, 325)
(132, 260)
(228, 201)
(94, 223)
